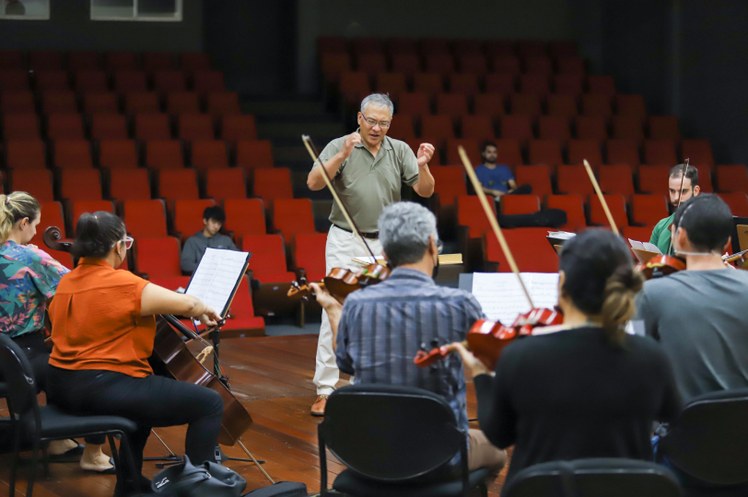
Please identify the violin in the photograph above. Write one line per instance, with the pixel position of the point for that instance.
(738, 258)
(487, 339)
(661, 265)
(340, 281)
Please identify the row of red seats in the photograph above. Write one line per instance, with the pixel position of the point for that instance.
(156, 254)
(495, 105)
(460, 46)
(613, 178)
(110, 126)
(556, 152)
(583, 210)
(484, 127)
(37, 60)
(53, 102)
(351, 84)
(120, 80)
(142, 184)
(126, 154)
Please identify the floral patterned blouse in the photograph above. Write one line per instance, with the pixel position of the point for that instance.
(28, 279)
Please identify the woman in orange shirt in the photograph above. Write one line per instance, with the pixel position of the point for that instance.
(103, 329)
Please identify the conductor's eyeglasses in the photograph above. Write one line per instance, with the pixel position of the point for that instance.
(374, 122)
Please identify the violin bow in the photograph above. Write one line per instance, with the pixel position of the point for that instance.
(600, 196)
(328, 182)
(680, 197)
(492, 221)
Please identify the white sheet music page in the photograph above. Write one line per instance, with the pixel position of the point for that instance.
(216, 277)
(502, 298)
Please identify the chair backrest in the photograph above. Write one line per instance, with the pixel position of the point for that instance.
(709, 441)
(364, 427)
(20, 381)
(611, 477)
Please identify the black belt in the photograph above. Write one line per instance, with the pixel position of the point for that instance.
(371, 236)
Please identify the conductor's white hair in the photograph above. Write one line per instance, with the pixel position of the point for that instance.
(404, 230)
(378, 100)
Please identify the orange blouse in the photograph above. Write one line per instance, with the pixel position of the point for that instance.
(96, 321)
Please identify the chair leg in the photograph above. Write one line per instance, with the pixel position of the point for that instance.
(34, 463)
(14, 462)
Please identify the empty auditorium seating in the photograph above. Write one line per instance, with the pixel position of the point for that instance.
(546, 152)
(145, 218)
(25, 154)
(573, 179)
(78, 207)
(130, 184)
(37, 182)
(21, 126)
(152, 127)
(254, 154)
(118, 154)
(530, 249)
(292, 216)
(225, 183)
(653, 178)
(537, 176)
(579, 150)
(616, 204)
(268, 261)
(616, 178)
(72, 153)
(209, 154)
(731, 178)
(648, 209)
(157, 257)
(519, 204)
(164, 154)
(245, 216)
(177, 184)
(195, 127)
(660, 151)
(309, 254)
(238, 127)
(108, 127)
(80, 184)
(573, 205)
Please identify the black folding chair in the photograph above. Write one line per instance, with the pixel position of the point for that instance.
(37, 425)
(600, 477)
(396, 441)
(708, 443)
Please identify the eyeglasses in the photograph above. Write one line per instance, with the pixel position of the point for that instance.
(373, 122)
(128, 241)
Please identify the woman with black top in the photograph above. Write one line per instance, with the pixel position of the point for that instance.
(586, 388)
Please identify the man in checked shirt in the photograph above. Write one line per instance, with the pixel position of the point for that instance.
(381, 327)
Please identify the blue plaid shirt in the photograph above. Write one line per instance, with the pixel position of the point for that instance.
(383, 326)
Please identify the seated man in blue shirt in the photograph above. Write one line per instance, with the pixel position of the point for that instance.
(381, 327)
(497, 179)
(209, 236)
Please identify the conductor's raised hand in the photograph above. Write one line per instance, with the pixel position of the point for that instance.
(351, 141)
(425, 153)
(469, 361)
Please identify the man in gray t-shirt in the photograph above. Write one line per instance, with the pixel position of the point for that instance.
(698, 315)
(209, 236)
(367, 169)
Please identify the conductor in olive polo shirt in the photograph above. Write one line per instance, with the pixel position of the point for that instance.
(367, 168)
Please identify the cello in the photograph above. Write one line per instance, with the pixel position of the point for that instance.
(172, 358)
(486, 339)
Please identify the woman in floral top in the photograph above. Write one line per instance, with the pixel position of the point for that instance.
(28, 280)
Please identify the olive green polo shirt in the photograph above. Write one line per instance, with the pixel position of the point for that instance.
(661, 234)
(367, 184)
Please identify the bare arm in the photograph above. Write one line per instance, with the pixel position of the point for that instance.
(331, 306)
(315, 180)
(158, 300)
(425, 184)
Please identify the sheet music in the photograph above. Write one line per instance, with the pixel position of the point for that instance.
(502, 298)
(216, 277)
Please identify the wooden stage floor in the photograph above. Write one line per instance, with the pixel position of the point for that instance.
(272, 377)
